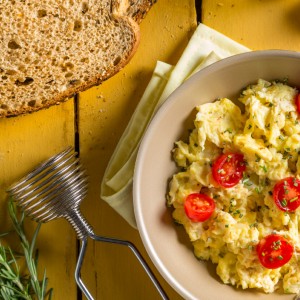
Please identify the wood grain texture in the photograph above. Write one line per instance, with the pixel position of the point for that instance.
(26, 141)
(112, 271)
(257, 24)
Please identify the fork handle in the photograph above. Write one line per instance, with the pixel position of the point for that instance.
(138, 256)
(78, 268)
(82, 251)
(83, 230)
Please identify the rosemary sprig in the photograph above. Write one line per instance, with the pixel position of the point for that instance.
(10, 281)
(13, 284)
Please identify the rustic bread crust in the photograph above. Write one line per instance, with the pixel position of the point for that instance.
(137, 9)
(119, 17)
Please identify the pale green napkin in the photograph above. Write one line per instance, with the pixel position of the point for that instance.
(205, 47)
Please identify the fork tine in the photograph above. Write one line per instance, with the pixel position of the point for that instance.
(47, 185)
(59, 204)
(47, 195)
(39, 169)
(53, 188)
(33, 185)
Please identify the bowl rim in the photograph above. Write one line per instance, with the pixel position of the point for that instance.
(141, 226)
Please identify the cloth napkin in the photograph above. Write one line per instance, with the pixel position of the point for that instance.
(204, 48)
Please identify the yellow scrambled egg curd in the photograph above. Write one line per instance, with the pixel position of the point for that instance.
(267, 134)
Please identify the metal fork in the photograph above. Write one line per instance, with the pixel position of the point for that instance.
(55, 189)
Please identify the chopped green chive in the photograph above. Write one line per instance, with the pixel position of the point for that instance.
(264, 168)
(257, 158)
(258, 191)
(294, 199)
(229, 130)
(253, 225)
(283, 202)
(286, 155)
(237, 212)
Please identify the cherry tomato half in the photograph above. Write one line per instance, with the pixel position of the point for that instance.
(286, 194)
(274, 251)
(199, 207)
(297, 102)
(228, 169)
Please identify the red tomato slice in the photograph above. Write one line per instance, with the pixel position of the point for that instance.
(228, 169)
(297, 102)
(199, 207)
(274, 251)
(286, 194)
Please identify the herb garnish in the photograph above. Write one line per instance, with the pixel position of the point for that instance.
(13, 284)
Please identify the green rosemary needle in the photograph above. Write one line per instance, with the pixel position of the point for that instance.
(13, 284)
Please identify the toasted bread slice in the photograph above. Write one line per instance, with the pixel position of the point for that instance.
(52, 49)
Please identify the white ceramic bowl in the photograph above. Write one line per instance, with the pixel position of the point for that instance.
(168, 245)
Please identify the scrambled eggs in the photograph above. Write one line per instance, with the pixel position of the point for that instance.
(267, 133)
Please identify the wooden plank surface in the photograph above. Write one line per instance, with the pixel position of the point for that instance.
(257, 24)
(112, 272)
(26, 141)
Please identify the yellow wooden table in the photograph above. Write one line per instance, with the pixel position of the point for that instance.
(95, 120)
